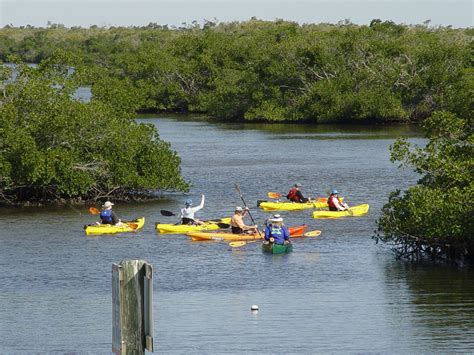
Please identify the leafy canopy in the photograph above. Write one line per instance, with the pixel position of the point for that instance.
(53, 146)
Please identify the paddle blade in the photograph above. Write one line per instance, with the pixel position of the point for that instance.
(93, 210)
(312, 233)
(167, 213)
(260, 201)
(322, 199)
(237, 244)
(274, 195)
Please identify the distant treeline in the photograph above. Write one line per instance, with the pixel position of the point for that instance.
(273, 71)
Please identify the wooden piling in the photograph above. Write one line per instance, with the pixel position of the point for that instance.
(132, 290)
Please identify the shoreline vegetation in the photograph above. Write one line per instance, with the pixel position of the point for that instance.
(271, 71)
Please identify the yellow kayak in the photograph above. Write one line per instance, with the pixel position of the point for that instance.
(293, 206)
(358, 210)
(131, 226)
(185, 228)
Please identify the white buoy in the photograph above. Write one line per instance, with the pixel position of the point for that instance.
(254, 308)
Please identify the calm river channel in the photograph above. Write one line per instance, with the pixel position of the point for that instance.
(339, 292)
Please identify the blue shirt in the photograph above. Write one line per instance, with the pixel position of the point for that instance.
(280, 234)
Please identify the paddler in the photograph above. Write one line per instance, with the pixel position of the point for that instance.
(334, 203)
(187, 213)
(237, 222)
(107, 216)
(296, 195)
(276, 232)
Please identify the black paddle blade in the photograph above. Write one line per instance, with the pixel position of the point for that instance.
(260, 201)
(167, 213)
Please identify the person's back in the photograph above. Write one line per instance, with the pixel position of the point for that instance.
(295, 195)
(187, 213)
(107, 216)
(277, 231)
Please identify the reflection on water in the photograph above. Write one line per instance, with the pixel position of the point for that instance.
(438, 302)
(338, 292)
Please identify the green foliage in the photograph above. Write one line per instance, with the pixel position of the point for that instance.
(273, 71)
(55, 147)
(435, 216)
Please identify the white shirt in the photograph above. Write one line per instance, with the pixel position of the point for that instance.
(188, 212)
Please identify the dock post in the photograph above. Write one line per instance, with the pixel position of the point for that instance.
(132, 307)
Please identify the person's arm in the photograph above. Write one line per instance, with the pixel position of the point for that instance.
(115, 220)
(201, 205)
(286, 233)
(267, 233)
(300, 196)
(338, 205)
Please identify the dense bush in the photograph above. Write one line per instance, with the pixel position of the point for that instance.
(435, 217)
(54, 147)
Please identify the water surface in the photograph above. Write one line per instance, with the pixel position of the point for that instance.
(336, 293)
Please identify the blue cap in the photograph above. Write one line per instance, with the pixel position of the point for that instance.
(334, 191)
(188, 202)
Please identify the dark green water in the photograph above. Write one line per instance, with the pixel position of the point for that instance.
(336, 293)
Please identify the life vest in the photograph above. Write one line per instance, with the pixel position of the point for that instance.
(331, 203)
(275, 232)
(106, 216)
(292, 195)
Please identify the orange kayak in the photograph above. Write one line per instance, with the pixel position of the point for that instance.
(295, 232)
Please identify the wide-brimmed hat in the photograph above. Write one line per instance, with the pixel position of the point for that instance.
(107, 204)
(276, 218)
(239, 209)
(334, 192)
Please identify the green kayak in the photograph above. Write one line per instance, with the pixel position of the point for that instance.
(273, 248)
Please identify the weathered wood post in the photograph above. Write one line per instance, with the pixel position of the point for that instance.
(132, 307)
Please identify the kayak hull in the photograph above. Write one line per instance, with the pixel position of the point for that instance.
(272, 248)
(292, 206)
(295, 232)
(98, 229)
(355, 211)
(164, 228)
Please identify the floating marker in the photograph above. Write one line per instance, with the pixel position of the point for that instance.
(254, 308)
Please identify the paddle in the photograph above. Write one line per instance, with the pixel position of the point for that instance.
(237, 187)
(167, 213)
(215, 221)
(240, 243)
(93, 210)
(314, 233)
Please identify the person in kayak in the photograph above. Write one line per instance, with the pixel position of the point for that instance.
(237, 222)
(334, 203)
(187, 213)
(296, 195)
(276, 232)
(107, 216)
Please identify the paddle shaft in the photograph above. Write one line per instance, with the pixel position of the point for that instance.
(242, 198)
(248, 210)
